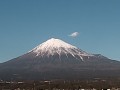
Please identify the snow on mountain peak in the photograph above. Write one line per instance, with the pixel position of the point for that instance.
(55, 43)
(52, 46)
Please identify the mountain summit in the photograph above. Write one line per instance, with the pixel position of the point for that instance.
(58, 47)
(56, 59)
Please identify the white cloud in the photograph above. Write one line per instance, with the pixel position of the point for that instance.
(74, 34)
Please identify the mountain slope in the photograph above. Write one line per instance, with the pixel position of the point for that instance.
(56, 59)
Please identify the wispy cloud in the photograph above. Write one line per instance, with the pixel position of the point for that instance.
(74, 34)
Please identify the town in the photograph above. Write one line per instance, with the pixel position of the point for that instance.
(96, 84)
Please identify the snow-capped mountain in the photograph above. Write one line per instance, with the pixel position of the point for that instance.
(56, 46)
(56, 59)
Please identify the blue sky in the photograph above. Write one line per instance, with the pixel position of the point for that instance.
(25, 24)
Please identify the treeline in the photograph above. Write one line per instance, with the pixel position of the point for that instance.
(67, 85)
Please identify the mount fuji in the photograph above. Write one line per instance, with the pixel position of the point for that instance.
(58, 47)
(56, 59)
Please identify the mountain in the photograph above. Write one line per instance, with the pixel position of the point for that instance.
(56, 59)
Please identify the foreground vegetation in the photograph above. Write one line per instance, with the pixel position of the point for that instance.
(60, 84)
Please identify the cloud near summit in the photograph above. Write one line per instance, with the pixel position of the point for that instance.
(74, 34)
